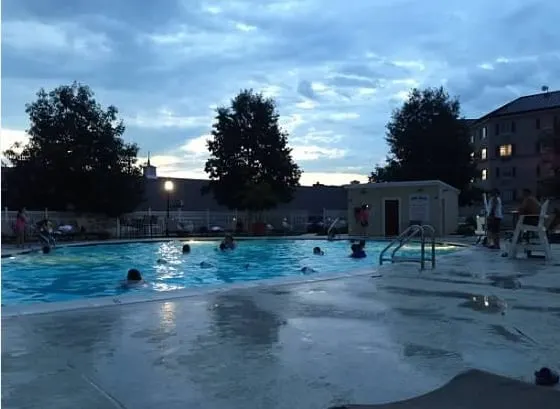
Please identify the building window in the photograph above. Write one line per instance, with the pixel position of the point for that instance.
(509, 172)
(509, 195)
(538, 123)
(484, 174)
(506, 150)
(484, 132)
(483, 154)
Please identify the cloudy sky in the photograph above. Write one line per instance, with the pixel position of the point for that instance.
(336, 67)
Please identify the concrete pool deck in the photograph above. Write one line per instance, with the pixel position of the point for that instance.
(355, 339)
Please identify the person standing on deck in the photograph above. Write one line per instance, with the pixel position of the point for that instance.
(363, 218)
(21, 223)
(495, 217)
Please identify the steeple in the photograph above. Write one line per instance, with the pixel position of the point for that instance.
(149, 171)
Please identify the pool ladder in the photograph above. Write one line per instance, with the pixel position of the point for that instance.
(425, 232)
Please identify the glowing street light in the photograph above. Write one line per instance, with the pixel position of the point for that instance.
(168, 187)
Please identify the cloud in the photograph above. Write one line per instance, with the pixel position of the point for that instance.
(9, 137)
(166, 118)
(27, 36)
(335, 69)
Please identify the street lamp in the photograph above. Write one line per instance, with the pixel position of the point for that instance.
(168, 186)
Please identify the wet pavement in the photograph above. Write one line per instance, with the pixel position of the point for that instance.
(306, 345)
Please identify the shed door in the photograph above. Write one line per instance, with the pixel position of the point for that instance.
(391, 207)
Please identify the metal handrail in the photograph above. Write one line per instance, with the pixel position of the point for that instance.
(332, 225)
(406, 236)
(433, 243)
(418, 229)
(410, 230)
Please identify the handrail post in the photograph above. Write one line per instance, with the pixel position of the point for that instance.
(433, 251)
(422, 249)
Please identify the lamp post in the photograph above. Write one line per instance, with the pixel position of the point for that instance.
(168, 186)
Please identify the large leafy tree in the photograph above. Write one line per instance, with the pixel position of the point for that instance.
(250, 165)
(428, 140)
(76, 157)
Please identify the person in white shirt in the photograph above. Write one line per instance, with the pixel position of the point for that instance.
(495, 216)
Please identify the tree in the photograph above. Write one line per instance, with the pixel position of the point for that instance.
(250, 165)
(76, 157)
(428, 140)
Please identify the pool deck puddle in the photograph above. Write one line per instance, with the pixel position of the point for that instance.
(310, 344)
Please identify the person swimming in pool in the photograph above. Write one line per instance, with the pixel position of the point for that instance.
(228, 242)
(133, 279)
(186, 249)
(358, 250)
(318, 252)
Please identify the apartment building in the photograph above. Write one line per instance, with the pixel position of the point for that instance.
(517, 144)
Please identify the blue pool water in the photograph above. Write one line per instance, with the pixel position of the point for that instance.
(72, 273)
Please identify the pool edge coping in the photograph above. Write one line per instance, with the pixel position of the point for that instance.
(108, 301)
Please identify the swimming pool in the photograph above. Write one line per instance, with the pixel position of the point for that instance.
(71, 273)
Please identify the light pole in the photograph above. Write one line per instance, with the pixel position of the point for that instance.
(168, 186)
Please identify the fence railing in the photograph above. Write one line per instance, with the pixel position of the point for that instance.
(180, 223)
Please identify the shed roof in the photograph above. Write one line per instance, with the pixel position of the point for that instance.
(411, 183)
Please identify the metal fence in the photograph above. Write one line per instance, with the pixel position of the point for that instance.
(179, 223)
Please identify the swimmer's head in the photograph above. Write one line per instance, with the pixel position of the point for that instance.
(46, 249)
(355, 248)
(134, 275)
(362, 243)
(222, 246)
(161, 261)
(317, 251)
(186, 249)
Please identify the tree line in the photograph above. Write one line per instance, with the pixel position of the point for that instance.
(76, 157)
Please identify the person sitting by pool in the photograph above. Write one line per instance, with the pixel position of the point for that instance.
(228, 242)
(358, 251)
(318, 252)
(133, 278)
(186, 249)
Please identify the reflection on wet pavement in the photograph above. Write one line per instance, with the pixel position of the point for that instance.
(307, 345)
(484, 303)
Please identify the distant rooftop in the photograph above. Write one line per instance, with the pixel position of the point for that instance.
(408, 183)
(537, 102)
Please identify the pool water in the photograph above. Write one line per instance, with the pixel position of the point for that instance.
(71, 273)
